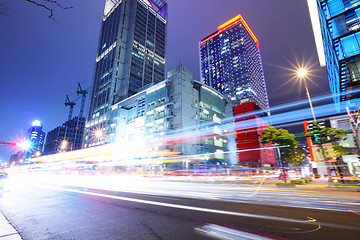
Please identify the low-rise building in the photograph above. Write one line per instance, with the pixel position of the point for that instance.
(178, 118)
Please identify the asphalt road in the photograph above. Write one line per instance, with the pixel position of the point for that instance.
(82, 207)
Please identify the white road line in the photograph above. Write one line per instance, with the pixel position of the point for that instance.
(208, 210)
(220, 232)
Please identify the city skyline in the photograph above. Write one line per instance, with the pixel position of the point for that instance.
(59, 48)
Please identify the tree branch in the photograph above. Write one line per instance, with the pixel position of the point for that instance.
(50, 10)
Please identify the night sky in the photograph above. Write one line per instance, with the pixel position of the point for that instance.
(43, 60)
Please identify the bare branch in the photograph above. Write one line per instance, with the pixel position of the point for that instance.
(57, 3)
(50, 10)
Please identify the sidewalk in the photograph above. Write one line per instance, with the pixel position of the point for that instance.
(318, 185)
(7, 232)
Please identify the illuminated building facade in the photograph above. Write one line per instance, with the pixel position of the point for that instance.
(131, 54)
(179, 114)
(36, 137)
(336, 29)
(231, 63)
(71, 131)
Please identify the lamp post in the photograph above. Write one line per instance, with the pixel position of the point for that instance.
(301, 73)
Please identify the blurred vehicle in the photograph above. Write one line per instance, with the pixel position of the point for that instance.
(3, 175)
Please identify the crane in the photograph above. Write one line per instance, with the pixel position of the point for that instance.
(71, 104)
(82, 92)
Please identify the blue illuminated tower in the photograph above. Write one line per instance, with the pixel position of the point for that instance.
(36, 137)
(336, 26)
(131, 54)
(231, 63)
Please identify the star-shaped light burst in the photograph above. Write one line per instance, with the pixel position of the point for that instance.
(301, 69)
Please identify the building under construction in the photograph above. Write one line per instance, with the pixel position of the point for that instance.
(66, 137)
(69, 135)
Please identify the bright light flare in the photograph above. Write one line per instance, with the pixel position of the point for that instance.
(36, 123)
(299, 70)
(99, 133)
(64, 144)
(302, 72)
(25, 145)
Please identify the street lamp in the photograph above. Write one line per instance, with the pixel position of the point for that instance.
(301, 73)
(63, 145)
(99, 133)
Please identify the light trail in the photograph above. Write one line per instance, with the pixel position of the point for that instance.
(109, 155)
(309, 220)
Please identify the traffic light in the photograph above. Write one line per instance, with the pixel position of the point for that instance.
(316, 137)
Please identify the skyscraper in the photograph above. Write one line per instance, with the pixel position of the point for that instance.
(231, 63)
(131, 54)
(36, 137)
(336, 28)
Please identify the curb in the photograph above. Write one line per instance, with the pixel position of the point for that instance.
(7, 231)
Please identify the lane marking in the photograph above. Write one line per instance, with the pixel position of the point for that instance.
(220, 232)
(329, 206)
(354, 212)
(171, 205)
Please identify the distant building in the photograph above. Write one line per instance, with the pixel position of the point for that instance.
(131, 54)
(17, 158)
(231, 63)
(248, 129)
(178, 115)
(36, 137)
(66, 137)
(336, 28)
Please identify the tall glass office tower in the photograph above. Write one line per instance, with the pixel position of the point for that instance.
(131, 54)
(336, 26)
(231, 63)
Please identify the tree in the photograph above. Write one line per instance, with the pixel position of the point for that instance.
(48, 5)
(339, 150)
(296, 158)
(286, 142)
(325, 135)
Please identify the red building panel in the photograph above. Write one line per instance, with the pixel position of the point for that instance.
(248, 129)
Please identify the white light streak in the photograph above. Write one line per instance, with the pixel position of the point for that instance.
(316, 26)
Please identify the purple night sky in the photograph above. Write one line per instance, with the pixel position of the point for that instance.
(43, 60)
